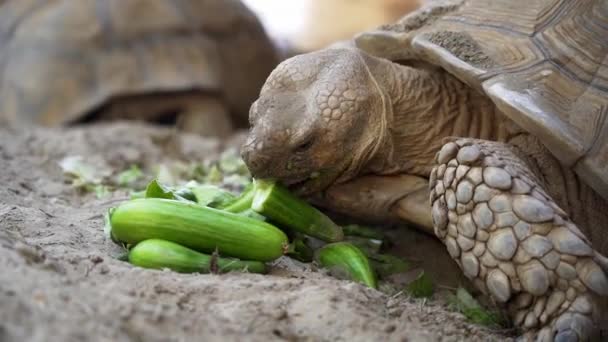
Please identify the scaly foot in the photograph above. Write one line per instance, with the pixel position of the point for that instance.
(512, 240)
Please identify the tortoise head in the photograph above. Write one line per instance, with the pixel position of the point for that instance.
(315, 120)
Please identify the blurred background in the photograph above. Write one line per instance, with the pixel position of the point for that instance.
(306, 25)
(197, 65)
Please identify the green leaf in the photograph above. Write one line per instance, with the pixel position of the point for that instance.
(83, 174)
(137, 194)
(236, 181)
(196, 172)
(185, 193)
(231, 162)
(299, 250)
(421, 287)
(386, 264)
(170, 174)
(212, 196)
(465, 299)
(362, 231)
(124, 256)
(107, 226)
(368, 245)
(129, 176)
(156, 190)
(101, 191)
(464, 303)
(214, 176)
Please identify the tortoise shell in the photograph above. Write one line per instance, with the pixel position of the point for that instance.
(544, 63)
(60, 59)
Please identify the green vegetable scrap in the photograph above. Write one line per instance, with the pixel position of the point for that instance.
(300, 248)
(367, 245)
(157, 190)
(214, 175)
(464, 303)
(168, 174)
(421, 287)
(86, 176)
(386, 264)
(343, 259)
(212, 196)
(362, 231)
(231, 163)
(137, 194)
(129, 176)
(185, 193)
(82, 172)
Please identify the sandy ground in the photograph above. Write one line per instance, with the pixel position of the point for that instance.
(60, 279)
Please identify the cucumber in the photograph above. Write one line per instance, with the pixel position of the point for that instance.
(243, 202)
(158, 254)
(279, 205)
(345, 259)
(200, 228)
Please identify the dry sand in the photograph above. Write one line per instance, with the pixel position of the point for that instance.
(60, 279)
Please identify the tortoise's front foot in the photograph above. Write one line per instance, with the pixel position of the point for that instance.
(515, 244)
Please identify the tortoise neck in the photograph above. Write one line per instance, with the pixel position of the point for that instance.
(428, 104)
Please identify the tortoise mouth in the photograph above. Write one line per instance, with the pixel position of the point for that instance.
(304, 187)
(297, 183)
(316, 182)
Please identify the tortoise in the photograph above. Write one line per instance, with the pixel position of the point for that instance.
(484, 123)
(200, 62)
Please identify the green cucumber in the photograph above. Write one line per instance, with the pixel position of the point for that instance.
(158, 254)
(243, 202)
(200, 228)
(345, 259)
(279, 205)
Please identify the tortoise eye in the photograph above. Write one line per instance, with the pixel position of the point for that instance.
(304, 145)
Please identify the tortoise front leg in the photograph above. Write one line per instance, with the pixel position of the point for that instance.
(382, 199)
(512, 240)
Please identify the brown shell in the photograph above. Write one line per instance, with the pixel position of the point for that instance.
(543, 62)
(62, 58)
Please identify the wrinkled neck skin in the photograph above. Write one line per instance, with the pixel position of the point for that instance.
(425, 106)
(375, 145)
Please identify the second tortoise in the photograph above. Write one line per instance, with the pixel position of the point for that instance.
(198, 62)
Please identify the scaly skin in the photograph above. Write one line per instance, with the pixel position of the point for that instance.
(513, 241)
(360, 123)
